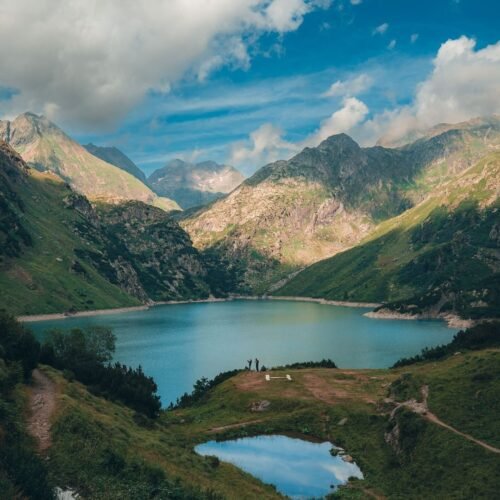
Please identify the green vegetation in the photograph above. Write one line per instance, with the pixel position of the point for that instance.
(22, 473)
(439, 257)
(61, 254)
(85, 355)
(291, 214)
(102, 449)
(481, 336)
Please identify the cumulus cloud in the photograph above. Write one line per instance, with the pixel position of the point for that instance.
(356, 2)
(352, 112)
(90, 62)
(266, 145)
(350, 87)
(391, 45)
(462, 85)
(414, 37)
(381, 29)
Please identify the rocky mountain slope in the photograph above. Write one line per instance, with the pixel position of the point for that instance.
(58, 252)
(194, 184)
(293, 213)
(117, 158)
(45, 146)
(440, 257)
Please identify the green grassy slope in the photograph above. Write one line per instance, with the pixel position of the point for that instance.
(39, 277)
(58, 253)
(441, 255)
(96, 442)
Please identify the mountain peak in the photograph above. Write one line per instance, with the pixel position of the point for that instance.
(339, 141)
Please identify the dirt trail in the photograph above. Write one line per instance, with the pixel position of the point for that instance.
(423, 410)
(236, 426)
(42, 406)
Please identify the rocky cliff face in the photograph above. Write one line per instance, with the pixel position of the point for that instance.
(293, 213)
(192, 184)
(45, 146)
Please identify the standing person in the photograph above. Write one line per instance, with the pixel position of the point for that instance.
(256, 364)
(249, 361)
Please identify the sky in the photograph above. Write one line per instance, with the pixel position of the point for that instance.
(246, 82)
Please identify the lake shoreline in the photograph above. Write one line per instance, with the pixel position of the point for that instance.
(452, 320)
(117, 310)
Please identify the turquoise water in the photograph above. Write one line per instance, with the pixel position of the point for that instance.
(298, 469)
(178, 344)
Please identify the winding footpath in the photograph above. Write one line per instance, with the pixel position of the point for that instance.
(423, 410)
(42, 403)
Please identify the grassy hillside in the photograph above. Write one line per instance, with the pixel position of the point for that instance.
(59, 254)
(42, 274)
(441, 256)
(98, 446)
(428, 429)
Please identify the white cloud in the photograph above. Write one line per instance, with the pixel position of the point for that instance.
(350, 87)
(462, 85)
(352, 112)
(266, 145)
(414, 37)
(391, 45)
(380, 30)
(356, 2)
(90, 62)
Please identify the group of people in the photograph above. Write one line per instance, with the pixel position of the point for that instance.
(249, 361)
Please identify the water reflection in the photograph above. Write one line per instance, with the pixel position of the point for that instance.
(298, 468)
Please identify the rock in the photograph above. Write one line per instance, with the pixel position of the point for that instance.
(260, 405)
(343, 421)
(347, 458)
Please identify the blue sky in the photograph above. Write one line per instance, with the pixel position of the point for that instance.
(283, 81)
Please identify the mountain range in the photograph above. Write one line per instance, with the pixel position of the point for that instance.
(194, 184)
(414, 227)
(59, 252)
(438, 258)
(291, 214)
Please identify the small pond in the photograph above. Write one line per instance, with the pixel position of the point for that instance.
(298, 468)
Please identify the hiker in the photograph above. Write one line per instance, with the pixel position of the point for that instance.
(256, 364)
(249, 361)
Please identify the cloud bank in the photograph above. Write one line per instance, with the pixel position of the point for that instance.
(90, 62)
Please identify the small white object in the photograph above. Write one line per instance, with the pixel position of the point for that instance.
(268, 378)
(288, 377)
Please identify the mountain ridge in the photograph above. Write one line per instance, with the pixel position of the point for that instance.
(45, 146)
(324, 200)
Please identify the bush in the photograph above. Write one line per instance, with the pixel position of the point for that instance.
(18, 344)
(201, 389)
(85, 354)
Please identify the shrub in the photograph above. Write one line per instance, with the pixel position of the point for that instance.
(85, 354)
